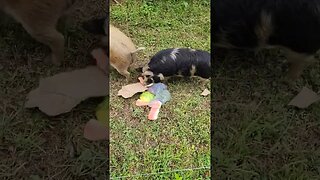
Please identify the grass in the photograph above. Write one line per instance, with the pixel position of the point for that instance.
(257, 135)
(180, 138)
(33, 145)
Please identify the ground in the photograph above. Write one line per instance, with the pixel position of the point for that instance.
(180, 138)
(33, 145)
(256, 134)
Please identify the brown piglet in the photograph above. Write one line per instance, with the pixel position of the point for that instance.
(122, 51)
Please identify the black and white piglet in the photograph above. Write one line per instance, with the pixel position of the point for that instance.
(292, 25)
(185, 62)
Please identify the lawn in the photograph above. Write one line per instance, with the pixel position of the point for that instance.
(256, 134)
(180, 138)
(33, 145)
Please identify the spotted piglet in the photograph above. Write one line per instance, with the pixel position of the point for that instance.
(170, 62)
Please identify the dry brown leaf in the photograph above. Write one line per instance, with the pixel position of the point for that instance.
(60, 93)
(206, 92)
(305, 98)
(50, 103)
(131, 89)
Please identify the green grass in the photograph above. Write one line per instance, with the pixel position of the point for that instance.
(33, 145)
(180, 138)
(257, 135)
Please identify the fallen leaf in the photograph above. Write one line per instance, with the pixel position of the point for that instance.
(50, 103)
(62, 92)
(305, 98)
(206, 92)
(95, 131)
(131, 89)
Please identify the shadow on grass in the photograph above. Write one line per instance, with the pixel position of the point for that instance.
(255, 133)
